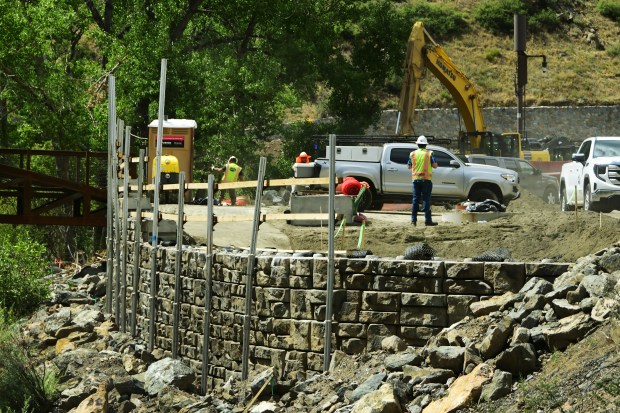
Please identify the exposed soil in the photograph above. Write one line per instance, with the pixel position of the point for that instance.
(531, 230)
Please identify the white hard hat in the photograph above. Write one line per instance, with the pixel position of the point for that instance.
(303, 154)
(422, 140)
(231, 158)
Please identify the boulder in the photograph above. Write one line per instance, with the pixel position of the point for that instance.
(168, 372)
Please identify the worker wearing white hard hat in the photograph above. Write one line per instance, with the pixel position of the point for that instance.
(421, 162)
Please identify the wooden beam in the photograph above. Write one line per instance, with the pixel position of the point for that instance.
(241, 184)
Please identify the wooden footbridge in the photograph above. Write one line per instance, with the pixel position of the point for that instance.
(42, 187)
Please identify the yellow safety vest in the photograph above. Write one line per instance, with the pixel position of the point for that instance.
(232, 172)
(421, 167)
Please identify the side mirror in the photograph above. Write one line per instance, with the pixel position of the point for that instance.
(578, 157)
(455, 164)
(537, 171)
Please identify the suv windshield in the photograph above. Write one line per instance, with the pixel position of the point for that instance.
(606, 148)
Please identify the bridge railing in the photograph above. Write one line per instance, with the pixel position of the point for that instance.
(85, 167)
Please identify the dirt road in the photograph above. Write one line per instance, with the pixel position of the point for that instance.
(531, 231)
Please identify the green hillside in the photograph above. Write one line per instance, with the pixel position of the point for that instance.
(582, 52)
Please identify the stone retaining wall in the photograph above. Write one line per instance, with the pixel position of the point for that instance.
(573, 122)
(373, 298)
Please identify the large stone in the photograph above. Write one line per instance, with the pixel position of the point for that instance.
(447, 357)
(424, 375)
(396, 362)
(519, 360)
(379, 401)
(500, 386)
(370, 385)
(492, 304)
(599, 285)
(567, 330)
(464, 391)
(168, 372)
(495, 340)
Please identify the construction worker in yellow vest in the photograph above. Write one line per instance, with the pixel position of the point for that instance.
(421, 162)
(232, 173)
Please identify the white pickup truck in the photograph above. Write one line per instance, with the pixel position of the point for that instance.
(592, 179)
(385, 170)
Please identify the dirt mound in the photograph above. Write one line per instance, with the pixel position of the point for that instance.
(531, 230)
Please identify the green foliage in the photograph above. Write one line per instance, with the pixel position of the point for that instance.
(614, 50)
(493, 55)
(442, 21)
(546, 19)
(609, 9)
(24, 387)
(497, 16)
(23, 267)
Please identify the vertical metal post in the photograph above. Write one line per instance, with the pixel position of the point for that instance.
(117, 223)
(250, 270)
(330, 253)
(209, 276)
(177, 268)
(520, 33)
(123, 295)
(154, 240)
(109, 211)
(137, 243)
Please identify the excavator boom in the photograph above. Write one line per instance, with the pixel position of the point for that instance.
(422, 53)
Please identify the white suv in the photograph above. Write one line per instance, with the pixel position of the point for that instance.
(592, 180)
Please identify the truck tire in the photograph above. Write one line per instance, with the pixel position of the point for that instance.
(550, 196)
(482, 194)
(563, 201)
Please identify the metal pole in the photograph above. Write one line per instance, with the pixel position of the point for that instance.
(137, 244)
(330, 253)
(117, 223)
(209, 275)
(177, 268)
(160, 133)
(111, 140)
(123, 296)
(250, 271)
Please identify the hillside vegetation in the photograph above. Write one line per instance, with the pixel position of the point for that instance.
(582, 55)
(582, 48)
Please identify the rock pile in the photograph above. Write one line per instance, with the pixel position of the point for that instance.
(475, 360)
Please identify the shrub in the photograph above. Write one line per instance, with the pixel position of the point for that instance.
(546, 19)
(497, 16)
(23, 267)
(609, 9)
(493, 55)
(614, 50)
(23, 387)
(441, 21)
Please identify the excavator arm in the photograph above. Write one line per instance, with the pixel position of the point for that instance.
(422, 53)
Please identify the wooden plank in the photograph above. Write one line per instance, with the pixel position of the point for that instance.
(241, 218)
(244, 184)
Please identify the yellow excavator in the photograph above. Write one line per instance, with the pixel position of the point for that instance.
(424, 53)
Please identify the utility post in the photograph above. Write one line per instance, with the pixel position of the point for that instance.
(520, 31)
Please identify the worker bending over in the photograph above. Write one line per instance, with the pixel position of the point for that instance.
(232, 173)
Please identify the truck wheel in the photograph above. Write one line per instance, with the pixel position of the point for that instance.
(588, 204)
(550, 196)
(482, 194)
(563, 200)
